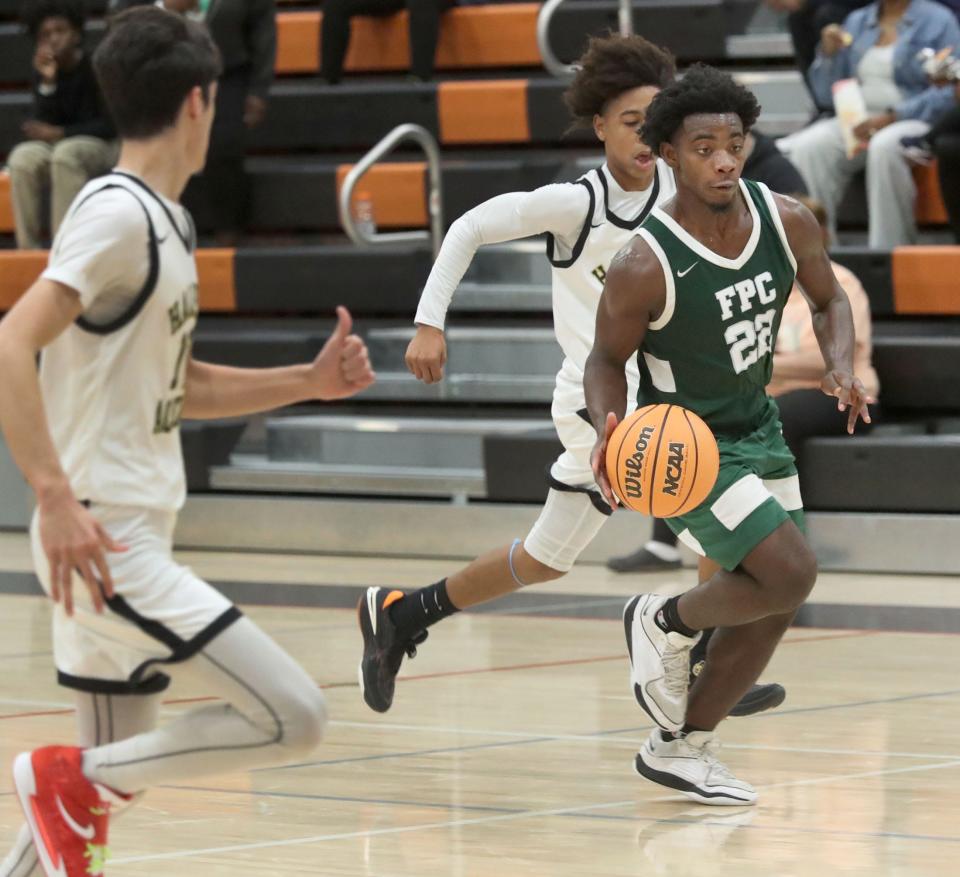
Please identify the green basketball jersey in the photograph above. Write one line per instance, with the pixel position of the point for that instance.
(711, 350)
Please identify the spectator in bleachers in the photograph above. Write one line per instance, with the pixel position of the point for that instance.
(878, 45)
(424, 28)
(804, 409)
(942, 142)
(70, 137)
(245, 32)
(806, 19)
(767, 164)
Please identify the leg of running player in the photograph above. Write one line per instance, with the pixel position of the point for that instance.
(753, 607)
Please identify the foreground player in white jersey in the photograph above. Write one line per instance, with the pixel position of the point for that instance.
(586, 223)
(97, 438)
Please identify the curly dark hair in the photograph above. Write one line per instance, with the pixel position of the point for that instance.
(35, 12)
(611, 65)
(703, 89)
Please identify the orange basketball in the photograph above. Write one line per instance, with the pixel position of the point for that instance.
(662, 460)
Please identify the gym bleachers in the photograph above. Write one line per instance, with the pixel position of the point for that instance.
(485, 432)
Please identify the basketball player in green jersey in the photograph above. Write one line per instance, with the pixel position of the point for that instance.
(699, 292)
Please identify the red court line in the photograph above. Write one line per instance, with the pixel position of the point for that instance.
(471, 672)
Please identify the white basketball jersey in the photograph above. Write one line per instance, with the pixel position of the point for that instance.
(578, 280)
(114, 393)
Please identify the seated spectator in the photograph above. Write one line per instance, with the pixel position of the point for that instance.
(70, 138)
(805, 410)
(245, 32)
(424, 28)
(767, 164)
(806, 19)
(942, 142)
(879, 46)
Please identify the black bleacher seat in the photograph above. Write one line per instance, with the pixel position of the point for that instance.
(882, 474)
(205, 444)
(516, 465)
(314, 280)
(299, 194)
(873, 268)
(918, 373)
(694, 30)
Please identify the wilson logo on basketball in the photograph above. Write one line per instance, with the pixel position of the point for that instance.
(671, 482)
(662, 460)
(634, 464)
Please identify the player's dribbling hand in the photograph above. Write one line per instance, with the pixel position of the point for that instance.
(73, 540)
(342, 368)
(850, 394)
(598, 461)
(427, 354)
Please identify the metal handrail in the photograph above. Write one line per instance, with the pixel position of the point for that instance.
(428, 143)
(553, 64)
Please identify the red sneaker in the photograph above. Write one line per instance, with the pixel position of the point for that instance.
(67, 814)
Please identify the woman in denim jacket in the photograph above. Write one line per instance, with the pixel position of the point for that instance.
(878, 45)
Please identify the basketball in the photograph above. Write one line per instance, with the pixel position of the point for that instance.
(662, 460)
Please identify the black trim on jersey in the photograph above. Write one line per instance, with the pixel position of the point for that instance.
(137, 305)
(188, 239)
(629, 224)
(581, 240)
(599, 503)
(152, 685)
(584, 415)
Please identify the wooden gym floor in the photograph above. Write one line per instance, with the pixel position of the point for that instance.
(509, 750)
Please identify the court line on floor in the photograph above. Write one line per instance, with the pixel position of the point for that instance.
(585, 809)
(546, 738)
(601, 736)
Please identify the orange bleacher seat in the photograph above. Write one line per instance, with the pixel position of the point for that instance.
(397, 190)
(925, 280)
(930, 209)
(19, 269)
(493, 111)
(6, 207)
(499, 35)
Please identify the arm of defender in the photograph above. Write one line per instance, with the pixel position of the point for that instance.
(633, 295)
(71, 538)
(341, 369)
(560, 209)
(830, 308)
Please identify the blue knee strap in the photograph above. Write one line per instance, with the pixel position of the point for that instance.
(513, 571)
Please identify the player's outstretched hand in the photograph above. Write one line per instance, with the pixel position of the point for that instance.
(427, 354)
(342, 369)
(598, 460)
(74, 541)
(850, 394)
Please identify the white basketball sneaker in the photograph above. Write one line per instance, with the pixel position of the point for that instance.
(659, 662)
(689, 764)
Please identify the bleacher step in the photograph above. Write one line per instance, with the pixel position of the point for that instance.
(249, 473)
(388, 443)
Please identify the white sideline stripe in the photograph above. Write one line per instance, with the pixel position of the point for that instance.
(735, 504)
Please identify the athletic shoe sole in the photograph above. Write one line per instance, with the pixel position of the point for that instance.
(712, 798)
(366, 605)
(25, 782)
(764, 697)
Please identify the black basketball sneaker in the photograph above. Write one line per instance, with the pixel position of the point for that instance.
(383, 650)
(757, 700)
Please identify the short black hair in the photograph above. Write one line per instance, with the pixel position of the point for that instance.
(612, 65)
(35, 12)
(703, 89)
(148, 63)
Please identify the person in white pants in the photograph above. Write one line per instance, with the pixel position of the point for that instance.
(877, 45)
